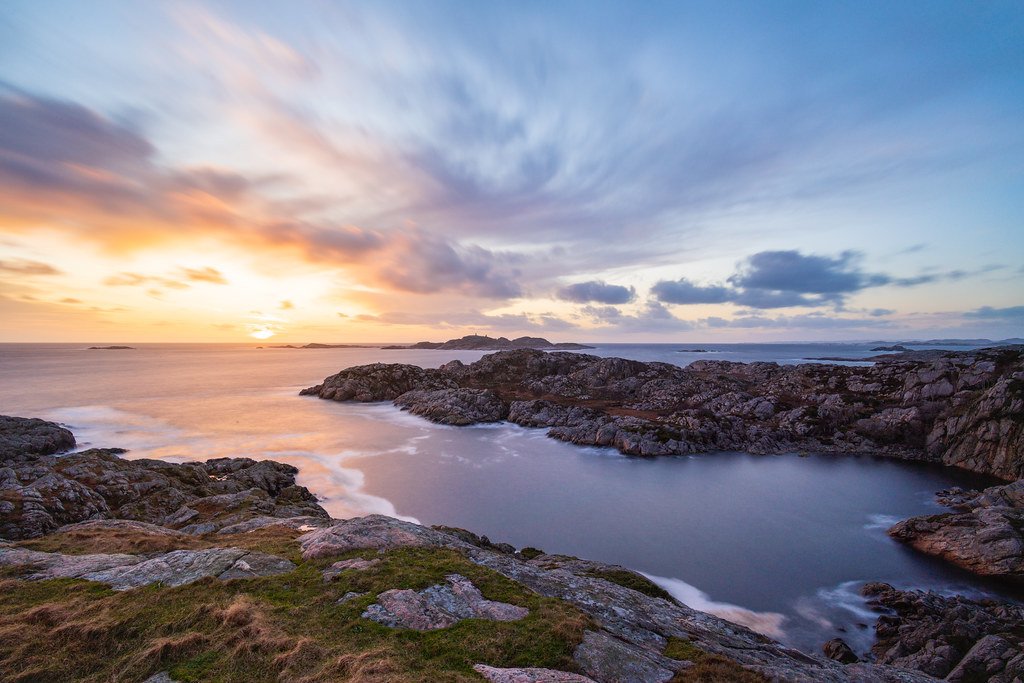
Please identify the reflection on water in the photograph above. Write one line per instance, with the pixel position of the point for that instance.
(778, 543)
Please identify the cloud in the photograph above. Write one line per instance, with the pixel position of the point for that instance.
(791, 271)
(286, 305)
(682, 291)
(597, 291)
(787, 279)
(26, 267)
(70, 300)
(205, 274)
(523, 322)
(1014, 313)
(652, 317)
(137, 280)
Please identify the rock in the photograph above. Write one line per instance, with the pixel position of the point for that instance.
(58, 566)
(122, 572)
(454, 406)
(985, 535)
(161, 677)
(351, 595)
(948, 637)
(180, 567)
(439, 606)
(610, 660)
(838, 650)
(357, 564)
(23, 437)
(628, 615)
(962, 408)
(303, 523)
(529, 675)
(373, 531)
(40, 492)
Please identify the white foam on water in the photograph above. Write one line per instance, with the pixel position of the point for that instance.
(881, 521)
(768, 623)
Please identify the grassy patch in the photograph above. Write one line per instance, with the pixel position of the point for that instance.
(707, 667)
(632, 580)
(281, 628)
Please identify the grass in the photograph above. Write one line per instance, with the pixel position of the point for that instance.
(707, 667)
(629, 579)
(282, 628)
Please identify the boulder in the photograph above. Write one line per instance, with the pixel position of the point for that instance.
(439, 606)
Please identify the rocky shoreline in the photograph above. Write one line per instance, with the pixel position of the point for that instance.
(142, 525)
(961, 408)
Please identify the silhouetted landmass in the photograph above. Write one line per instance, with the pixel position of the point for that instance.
(110, 348)
(477, 342)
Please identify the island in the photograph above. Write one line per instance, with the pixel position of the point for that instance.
(157, 571)
(894, 347)
(110, 348)
(476, 342)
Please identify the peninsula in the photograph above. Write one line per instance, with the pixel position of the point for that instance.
(476, 342)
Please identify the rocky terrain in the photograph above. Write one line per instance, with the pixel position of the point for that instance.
(963, 408)
(476, 342)
(984, 533)
(148, 571)
(41, 491)
(949, 637)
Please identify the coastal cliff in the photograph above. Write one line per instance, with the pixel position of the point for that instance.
(273, 589)
(963, 408)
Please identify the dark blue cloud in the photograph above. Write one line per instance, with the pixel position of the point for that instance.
(785, 279)
(597, 291)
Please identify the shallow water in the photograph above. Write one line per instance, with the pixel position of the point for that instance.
(780, 543)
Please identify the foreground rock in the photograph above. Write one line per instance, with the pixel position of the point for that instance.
(121, 572)
(528, 675)
(963, 408)
(985, 534)
(439, 606)
(634, 627)
(40, 491)
(952, 638)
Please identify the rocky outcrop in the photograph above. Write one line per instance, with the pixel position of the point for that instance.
(121, 572)
(985, 533)
(454, 406)
(439, 606)
(634, 627)
(476, 342)
(40, 492)
(963, 408)
(28, 436)
(952, 638)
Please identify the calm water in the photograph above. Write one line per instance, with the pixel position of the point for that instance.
(780, 543)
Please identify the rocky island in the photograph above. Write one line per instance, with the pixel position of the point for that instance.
(143, 570)
(476, 342)
(110, 348)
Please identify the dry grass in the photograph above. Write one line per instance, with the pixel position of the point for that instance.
(707, 667)
(282, 628)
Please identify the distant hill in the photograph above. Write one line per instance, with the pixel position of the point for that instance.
(476, 342)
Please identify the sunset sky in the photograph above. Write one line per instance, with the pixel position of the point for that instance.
(396, 171)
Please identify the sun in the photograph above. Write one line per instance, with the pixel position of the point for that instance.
(262, 333)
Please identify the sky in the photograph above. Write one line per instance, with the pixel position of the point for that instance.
(584, 171)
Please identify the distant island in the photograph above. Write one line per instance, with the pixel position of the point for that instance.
(894, 347)
(692, 351)
(109, 348)
(476, 342)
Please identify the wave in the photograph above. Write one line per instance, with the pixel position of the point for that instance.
(767, 623)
